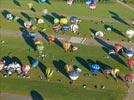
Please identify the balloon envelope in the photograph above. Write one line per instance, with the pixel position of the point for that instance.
(129, 77)
(117, 47)
(74, 75)
(65, 27)
(130, 33)
(25, 68)
(56, 21)
(131, 62)
(129, 53)
(63, 21)
(95, 67)
(35, 63)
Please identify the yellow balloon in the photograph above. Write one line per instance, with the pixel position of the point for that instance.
(63, 21)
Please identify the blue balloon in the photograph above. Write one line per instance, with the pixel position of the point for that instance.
(35, 63)
(129, 52)
(42, 1)
(65, 27)
(74, 73)
(73, 20)
(95, 68)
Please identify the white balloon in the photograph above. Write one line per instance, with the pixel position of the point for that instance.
(45, 11)
(130, 33)
(99, 34)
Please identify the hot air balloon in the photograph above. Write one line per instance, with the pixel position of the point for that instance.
(89, 2)
(2, 64)
(74, 28)
(44, 11)
(99, 34)
(42, 1)
(30, 5)
(65, 27)
(131, 62)
(63, 21)
(95, 68)
(117, 47)
(40, 21)
(56, 21)
(28, 24)
(114, 72)
(74, 20)
(130, 33)
(129, 52)
(132, 21)
(73, 75)
(92, 6)
(66, 45)
(56, 27)
(49, 72)
(9, 17)
(38, 41)
(70, 2)
(34, 63)
(129, 77)
(68, 68)
(25, 69)
(51, 38)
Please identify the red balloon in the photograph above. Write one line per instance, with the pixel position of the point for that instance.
(117, 47)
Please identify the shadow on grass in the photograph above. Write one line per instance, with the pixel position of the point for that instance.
(57, 16)
(93, 30)
(36, 96)
(49, 18)
(114, 30)
(104, 43)
(118, 18)
(8, 60)
(60, 66)
(25, 15)
(27, 38)
(16, 3)
(41, 66)
(115, 57)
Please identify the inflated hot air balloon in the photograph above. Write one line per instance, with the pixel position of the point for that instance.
(42, 1)
(74, 20)
(44, 12)
(49, 72)
(132, 21)
(92, 6)
(34, 63)
(9, 16)
(2, 65)
(130, 33)
(70, 2)
(65, 27)
(30, 5)
(95, 68)
(63, 21)
(51, 38)
(28, 24)
(89, 2)
(99, 34)
(129, 77)
(66, 45)
(38, 41)
(56, 27)
(56, 21)
(40, 21)
(131, 62)
(68, 68)
(74, 28)
(114, 72)
(129, 52)
(117, 47)
(73, 75)
(25, 69)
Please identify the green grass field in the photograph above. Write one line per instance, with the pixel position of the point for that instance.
(59, 88)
